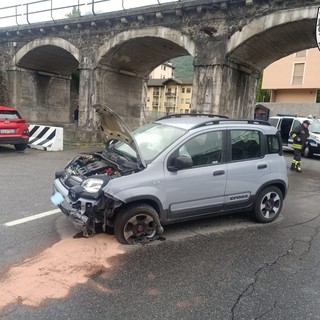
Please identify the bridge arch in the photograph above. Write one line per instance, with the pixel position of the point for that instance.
(142, 50)
(40, 77)
(40, 53)
(274, 36)
(124, 62)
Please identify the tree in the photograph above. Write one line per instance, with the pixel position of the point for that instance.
(74, 13)
(262, 95)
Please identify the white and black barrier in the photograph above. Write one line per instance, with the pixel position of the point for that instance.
(45, 138)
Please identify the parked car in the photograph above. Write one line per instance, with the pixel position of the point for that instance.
(13, 128)
(286, 123)
(178, 168)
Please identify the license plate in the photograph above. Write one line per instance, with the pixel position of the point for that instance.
(57, 198)
(7, 131)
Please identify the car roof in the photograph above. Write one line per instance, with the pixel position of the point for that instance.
(185, 122)
(192, 121)
(292, 117)
(5, 108)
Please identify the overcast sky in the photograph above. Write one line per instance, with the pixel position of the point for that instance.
(9, 8)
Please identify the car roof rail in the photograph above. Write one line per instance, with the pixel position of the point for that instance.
(220, 121)
(180, 115)
(287, 115)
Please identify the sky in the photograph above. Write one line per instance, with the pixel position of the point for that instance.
(8, 9)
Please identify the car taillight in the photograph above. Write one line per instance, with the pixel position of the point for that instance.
(26, 132)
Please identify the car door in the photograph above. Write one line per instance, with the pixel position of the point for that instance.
(295, 124)
(198, 190)
(246, 167)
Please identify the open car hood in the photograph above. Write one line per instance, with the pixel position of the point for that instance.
(113, 128)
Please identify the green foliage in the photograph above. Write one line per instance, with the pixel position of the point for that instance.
(183, 67)
(262, 95)
(74, 13)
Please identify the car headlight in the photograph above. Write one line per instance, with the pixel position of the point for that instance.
(92, 185)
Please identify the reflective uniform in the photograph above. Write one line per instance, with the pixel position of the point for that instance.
(299, 136)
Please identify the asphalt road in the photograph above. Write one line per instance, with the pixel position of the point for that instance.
(222, 268)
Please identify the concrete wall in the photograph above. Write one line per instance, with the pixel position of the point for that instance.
(300, 109)
(40, 98)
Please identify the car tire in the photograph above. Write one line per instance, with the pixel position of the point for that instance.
(136, 224)
(307, 152)
(268, 205)
(20, 146)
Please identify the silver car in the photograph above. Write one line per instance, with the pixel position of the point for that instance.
(178, 168)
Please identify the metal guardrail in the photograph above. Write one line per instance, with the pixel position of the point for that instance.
(48, 10)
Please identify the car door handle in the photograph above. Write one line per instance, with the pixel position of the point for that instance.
(218, 173)
(262, 166)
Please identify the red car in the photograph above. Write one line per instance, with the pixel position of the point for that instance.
(13, 128)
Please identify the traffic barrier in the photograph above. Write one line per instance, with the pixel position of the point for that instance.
(45, 138)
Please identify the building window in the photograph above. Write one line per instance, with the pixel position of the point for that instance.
(188, 90)
(302, 53)
(183, 90)
(298, 70)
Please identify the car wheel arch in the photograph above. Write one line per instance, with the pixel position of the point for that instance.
(275, 183)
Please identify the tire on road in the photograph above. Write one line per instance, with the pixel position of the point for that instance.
(268, 205)
(136, 223)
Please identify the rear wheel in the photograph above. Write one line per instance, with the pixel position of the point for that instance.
(268, 205)
(20, 146)
(136, 224)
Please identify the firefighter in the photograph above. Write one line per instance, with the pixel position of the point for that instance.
(299, 135)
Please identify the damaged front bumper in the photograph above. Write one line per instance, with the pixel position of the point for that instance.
(79, 210)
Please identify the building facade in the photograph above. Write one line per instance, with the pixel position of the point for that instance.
(169, 95)
(295, 78)
(164, 71)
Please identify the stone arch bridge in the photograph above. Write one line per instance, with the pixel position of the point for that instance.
(231, 41)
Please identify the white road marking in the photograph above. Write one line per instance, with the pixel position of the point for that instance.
(30, 218)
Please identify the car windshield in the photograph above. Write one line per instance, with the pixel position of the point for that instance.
(152, 139)
(314, 126)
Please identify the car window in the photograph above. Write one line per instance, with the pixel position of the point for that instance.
(274, 122)
(204, 149)
(315, 126)
(245, 144)
(7, 114)
(296, 124)
(273, 144)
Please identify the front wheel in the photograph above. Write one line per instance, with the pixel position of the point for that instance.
(136, 224)
(268, 205)
(20, 146)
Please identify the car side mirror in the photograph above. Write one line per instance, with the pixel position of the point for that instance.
(181, 162)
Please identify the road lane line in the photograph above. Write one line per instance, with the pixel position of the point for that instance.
(30, 218)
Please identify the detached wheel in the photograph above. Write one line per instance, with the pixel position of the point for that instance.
(20, 146)
(136, 224)
(269, 204)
